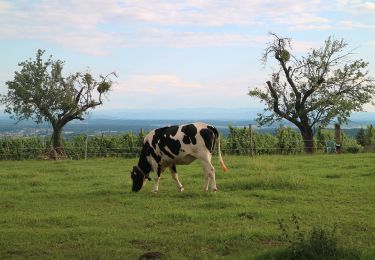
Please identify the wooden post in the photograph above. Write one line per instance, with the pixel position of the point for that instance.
(251, 151)
(86, 141)
(338, 138)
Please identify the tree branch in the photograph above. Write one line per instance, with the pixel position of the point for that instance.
(276, 108)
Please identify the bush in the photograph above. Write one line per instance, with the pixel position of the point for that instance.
(318, 243)
(289, 141)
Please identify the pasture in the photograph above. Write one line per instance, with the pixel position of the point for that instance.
(84, 209)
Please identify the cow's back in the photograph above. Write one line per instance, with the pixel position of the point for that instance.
(179, 144)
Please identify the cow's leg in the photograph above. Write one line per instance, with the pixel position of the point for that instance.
(175, 177)
(157, 178)
(209, 173)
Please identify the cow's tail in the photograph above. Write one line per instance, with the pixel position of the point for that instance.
(225, 169)
(217, 137)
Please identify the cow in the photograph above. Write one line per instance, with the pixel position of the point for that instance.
(174, 145)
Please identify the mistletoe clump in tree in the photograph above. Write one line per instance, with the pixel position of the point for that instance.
(324, 85)
(40, 92)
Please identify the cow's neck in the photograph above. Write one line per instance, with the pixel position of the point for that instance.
(144, 165)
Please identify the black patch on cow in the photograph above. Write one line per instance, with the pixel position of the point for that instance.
(163, 139)
(159, 170)
(138, 178)
(190, 132)
(144, 167)
(156, 157)
(208, 137)
(143, 163)
(214, 130)
(147, 150)
(173, 167)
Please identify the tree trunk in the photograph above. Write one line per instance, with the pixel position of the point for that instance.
(57, 144)
(308, 140)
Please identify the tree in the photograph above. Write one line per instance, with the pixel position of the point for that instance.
(361, 137)
(314, 89)
(41, 93)
(370, 136)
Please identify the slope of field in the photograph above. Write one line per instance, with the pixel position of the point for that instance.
(84, 209)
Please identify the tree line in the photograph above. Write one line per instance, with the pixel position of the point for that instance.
(285, 140)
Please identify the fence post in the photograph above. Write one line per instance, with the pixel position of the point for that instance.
(338, 138)
(87, 137)
(251, 153)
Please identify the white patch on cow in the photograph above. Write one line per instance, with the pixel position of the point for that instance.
(156, 184)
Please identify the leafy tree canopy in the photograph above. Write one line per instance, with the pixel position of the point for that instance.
(40, 92)
(323, 85)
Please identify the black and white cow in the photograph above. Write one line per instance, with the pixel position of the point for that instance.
(175, 145)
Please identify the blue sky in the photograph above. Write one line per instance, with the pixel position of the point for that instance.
(177, 54)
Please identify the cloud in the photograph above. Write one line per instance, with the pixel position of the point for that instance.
(363, 7)
(155, 83)
(348, 24)
(4, 6)
(95, 27)
(189, 39)
(170, 90)
(213, 13)
(356, 7)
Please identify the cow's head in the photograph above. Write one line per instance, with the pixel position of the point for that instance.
(138, 178)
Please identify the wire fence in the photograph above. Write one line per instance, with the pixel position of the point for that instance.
(129, 146)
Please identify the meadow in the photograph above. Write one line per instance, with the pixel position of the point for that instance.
(84, 209)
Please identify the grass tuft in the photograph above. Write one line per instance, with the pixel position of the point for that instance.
(318, 243)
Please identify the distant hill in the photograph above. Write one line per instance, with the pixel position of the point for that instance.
(133, 120)
(358, 119)
(191, 114)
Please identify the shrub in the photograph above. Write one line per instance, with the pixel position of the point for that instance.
(318, 243)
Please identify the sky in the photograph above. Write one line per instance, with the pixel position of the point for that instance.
(177, 53)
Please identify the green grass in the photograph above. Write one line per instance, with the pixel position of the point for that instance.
(85, 210)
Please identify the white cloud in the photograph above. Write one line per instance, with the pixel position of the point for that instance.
(348, 24)
(155, 83)
(364, 7)
(95, 26)
(358, 7)
(188, 39)
(170, 90)
(4, 6)
(213, 13)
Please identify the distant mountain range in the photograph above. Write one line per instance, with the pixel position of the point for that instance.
(249, 115)
(118, 121)
(204, 113)
(192, 114)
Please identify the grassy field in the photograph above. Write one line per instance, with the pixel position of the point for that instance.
(85, 210)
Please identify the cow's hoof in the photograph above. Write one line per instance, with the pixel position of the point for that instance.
(181, 189)
(154, 191)
(214, 190)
